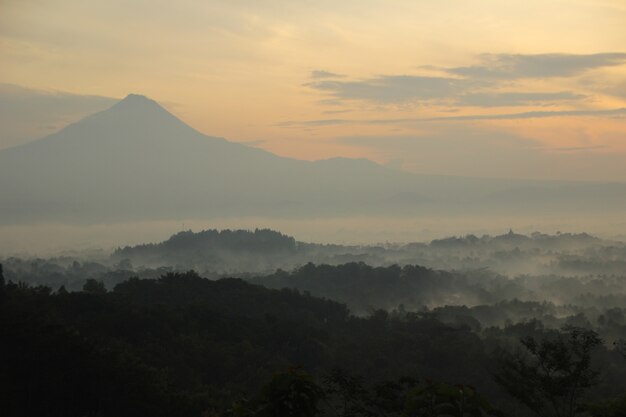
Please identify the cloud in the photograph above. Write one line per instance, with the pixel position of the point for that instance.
(392, 88)
(514, 66)
(509, 99)
(471, 117)
(27, 114)
(319, 74)
(336, 111)
(617, 90)
(479, 85)
(319, 122)
(579, 148)
(529, 115)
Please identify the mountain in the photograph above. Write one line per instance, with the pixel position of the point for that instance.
(136, 161)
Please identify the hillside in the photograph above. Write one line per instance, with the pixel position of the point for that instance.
(136, 161)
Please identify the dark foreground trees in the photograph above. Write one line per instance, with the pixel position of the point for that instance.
(551, 374)
(295, 393)
(185, 346)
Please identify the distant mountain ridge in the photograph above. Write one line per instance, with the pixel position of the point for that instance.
(136, 161)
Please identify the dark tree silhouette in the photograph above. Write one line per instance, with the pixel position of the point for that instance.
(289, 394)
(438, 399)
(551, 375)
(93, 286)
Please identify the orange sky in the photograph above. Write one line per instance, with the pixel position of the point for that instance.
(532, 89)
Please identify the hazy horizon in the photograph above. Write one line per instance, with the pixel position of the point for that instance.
(25, 240)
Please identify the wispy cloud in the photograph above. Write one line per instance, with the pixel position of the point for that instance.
(321, 74)
(513, 66)
(336, 111)
(508, 99)
(486, 84)
(392, 88)
(320, 122)
(470, 117)
(579, 148)
(530, 115)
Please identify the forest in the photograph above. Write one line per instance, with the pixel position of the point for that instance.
(120, 336)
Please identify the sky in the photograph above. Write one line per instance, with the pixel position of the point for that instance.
(487, 88)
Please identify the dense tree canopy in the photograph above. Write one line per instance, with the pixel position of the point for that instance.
(182, 345)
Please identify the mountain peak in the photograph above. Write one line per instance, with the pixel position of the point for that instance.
(136, 98)
(132, 118)
(136, 106)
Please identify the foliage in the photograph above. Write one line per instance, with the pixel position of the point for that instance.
(289, 394)
(551, 375)
(443, 400)
(615, 407)
(94, 287)
(182, 345)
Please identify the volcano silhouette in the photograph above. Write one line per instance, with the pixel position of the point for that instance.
(137, 161)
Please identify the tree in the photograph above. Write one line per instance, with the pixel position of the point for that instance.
(443, 400)
(348, 396)
(94, 287)
(2, 284)
(551, 374)
(620, 346)
(615, 407)
(289, 394)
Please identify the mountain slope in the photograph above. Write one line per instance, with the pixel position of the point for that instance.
(136, 161)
